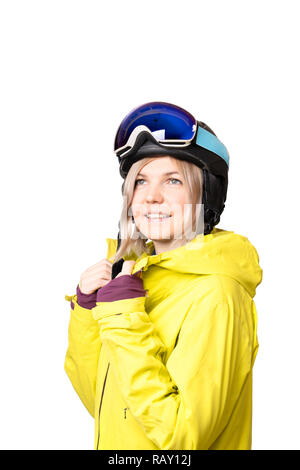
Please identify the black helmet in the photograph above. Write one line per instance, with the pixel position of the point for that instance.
(199, 146)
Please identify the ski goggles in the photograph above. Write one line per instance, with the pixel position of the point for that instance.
(170, 125)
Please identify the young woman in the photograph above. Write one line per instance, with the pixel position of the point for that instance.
(162, 335)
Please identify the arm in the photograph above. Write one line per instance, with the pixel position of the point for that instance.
(183, 402)
(81, 361)
(82, 356)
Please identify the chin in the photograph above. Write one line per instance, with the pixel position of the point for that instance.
(156, 235)
(160, 233)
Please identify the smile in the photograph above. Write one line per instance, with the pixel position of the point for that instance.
(157, 218)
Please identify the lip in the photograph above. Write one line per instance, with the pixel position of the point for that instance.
(156, 213)
(158, 219)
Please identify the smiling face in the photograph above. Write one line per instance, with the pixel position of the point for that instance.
(160, 189)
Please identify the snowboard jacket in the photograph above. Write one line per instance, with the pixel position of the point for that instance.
(165, 360)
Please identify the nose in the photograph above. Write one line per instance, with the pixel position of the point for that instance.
(154, 194)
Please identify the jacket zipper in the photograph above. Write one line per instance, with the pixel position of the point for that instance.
(104, 383)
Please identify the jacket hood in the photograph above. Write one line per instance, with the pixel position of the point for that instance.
(220, 252)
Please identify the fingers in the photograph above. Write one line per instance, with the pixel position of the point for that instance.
(103, 262)
(95, 276)
(88, 286)
(103, 267)
(127, 268)
(104, 272)
(99, 274)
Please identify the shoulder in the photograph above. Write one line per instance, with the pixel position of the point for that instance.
(218, 287)
(217, 295)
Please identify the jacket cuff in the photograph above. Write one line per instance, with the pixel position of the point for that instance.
(123, 287)
(119, 307)
(86, 300)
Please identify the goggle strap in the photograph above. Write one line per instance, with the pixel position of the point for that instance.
(210, 142)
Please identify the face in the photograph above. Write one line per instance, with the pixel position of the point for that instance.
(160, 188)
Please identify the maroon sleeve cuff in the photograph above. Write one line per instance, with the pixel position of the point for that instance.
(86, 300)
(123, 287)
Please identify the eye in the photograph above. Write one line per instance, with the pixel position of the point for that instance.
(137, 181)
(170, 179)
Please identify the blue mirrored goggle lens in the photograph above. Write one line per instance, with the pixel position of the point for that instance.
(174, 121)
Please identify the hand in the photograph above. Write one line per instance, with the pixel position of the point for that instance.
(126, 268)
(95, 276)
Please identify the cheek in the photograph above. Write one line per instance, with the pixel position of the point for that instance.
(137, 206)
(137, 197)
(179, 203)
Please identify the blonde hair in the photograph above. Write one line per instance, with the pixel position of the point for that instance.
(136, 242)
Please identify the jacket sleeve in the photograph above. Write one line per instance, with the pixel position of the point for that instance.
(185, 401)
(82, 356)
(81, 360)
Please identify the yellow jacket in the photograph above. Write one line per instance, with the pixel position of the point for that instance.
(173, 369)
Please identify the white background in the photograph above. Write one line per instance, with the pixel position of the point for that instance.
(70, 71)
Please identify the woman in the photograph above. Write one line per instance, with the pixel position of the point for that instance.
(162, 335)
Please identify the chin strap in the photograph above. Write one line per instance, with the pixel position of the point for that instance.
(117, 267)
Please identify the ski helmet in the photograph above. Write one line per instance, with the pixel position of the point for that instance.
(160, 128)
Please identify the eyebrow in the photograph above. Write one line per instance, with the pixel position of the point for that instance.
(165, 174)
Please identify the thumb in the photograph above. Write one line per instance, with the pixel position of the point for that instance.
(127, 268)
